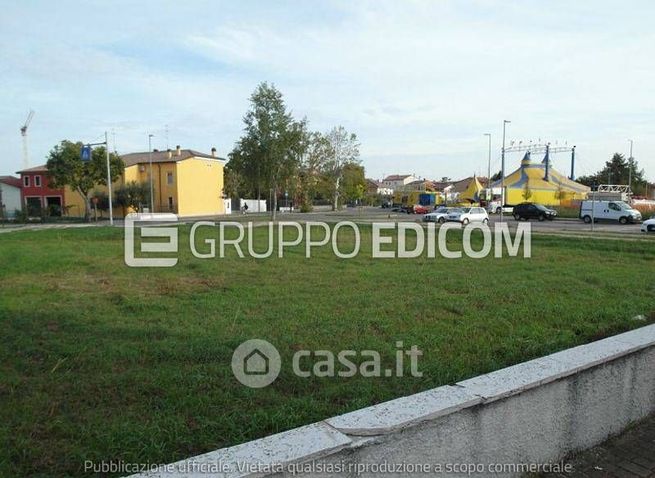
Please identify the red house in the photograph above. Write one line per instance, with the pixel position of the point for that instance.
(37, 195)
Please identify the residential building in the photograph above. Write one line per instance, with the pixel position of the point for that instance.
(10, 200)
(417, 185)
(38, 196)
(376, 187)
(397, 181)
(185, 182)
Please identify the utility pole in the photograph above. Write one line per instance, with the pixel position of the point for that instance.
(630, 161)
(490, 193)
(594, 191)
(152, 191)
(502, 173)
(111, 210)
(106, 145)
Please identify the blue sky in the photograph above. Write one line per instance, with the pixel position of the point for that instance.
(419, 82)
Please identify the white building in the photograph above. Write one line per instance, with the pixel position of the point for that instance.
(9, 196)
(398, 181)
(376, 187)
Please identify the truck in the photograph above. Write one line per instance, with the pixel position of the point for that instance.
(608, 211)
(417, 202)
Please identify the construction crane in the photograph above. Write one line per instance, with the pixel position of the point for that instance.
(23, 133)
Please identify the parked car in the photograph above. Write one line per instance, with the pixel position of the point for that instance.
(648, 225)
(494, 207)
(608, 211)
(387, 204)
(533, 211)
(418, 209)
(439, 215)
(466, 215)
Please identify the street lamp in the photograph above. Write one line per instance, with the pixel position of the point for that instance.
(630, 161)
(152, 191)
(111, 210)
(502, 173)
(489, 190)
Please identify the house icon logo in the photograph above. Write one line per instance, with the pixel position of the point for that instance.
(256, 363)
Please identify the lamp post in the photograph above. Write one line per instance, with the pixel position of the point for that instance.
(502, 173)
(111, 211)
(630, 161)
(490, 193)
(152, 191)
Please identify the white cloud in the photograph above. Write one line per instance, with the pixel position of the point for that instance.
(418, 81)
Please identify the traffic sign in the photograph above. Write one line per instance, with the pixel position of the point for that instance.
(86, 153)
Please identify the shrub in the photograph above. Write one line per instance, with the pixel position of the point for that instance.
(567, 211)
(21, 216)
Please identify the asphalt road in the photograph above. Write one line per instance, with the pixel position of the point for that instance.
(365, 215)
(369, 214)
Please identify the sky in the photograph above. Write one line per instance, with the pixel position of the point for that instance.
(419, 82)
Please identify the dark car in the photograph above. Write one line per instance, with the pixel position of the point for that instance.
(533, 211)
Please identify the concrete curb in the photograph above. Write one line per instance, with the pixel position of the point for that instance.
(534, 411)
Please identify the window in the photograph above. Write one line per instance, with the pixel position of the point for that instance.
(26, 181)
(614, 207)
(170, 201)
(37, 181)
(169, 180)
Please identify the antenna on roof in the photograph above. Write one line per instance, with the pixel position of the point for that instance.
(166, 128)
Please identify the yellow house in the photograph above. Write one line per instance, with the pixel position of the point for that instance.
(185, 182)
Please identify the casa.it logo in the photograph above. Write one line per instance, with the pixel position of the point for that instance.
(156, 229)
(256, 363)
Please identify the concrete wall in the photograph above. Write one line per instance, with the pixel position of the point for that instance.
(253, 205)
(10, 197)
(534, 412)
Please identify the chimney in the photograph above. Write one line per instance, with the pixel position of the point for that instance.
(169, 153)
(178, 151)
(213, 152)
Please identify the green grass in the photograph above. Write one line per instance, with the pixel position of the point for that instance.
(104, 362)
(568, 212)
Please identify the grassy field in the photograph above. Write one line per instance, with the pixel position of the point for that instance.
(104, 362)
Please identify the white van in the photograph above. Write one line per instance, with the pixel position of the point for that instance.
(608, 211)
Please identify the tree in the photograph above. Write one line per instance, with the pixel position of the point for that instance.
(527, 192)
(269, 152)
(66, 168)
(343, 149)
(353, 184)
(233, 183)
(617, 171)
(312, 164)
(133, 195)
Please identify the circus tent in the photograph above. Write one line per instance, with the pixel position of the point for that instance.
(540, 183)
